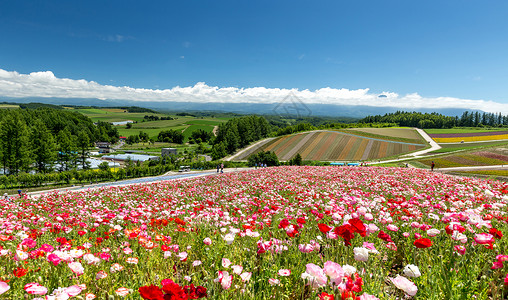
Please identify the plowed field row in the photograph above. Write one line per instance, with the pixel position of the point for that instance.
(332, 146)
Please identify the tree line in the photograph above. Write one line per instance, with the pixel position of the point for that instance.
(435, 120)
(34, 139)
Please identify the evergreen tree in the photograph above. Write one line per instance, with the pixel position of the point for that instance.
(14, 144)
(66, 150)
(43, 146)
(83, 143)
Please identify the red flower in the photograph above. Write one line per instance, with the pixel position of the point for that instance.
(201, 292)
(324, 228)
(346, 232)
(384, 236)
(19, 272)
(326, 296)
(151, 292)
(283, 223)
(301, 220)
(358, 226)
(422, 243)
(496, 233)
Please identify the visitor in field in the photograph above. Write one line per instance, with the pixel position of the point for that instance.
(221, 168)
(432, 165)
(218, 167)
(6, 196)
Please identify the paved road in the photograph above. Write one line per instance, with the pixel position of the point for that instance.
(167, 176)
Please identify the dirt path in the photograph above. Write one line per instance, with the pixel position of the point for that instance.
(214, 131)
(239, 153)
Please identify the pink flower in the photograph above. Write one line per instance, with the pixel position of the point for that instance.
(225, 279)
(122, 292)
(196, 263)
(132, 260)
(506, 280)
(245, 276)
(237, 269)
(305, 248)
(54, 259)
(334, 271)
(73, 290)
(4, 287)
(392, 227)
(497, 265)
(76, 268)
(391, 246)
(314, 275)
(89, 296)
(101, 275)
(461, 250)
(46, 248)
(29, 243)
(35, 289)
(484, 238)
(284, 272)
(226, 263)
(273, 281)
(366, 296)
(105, 256)
(182, 256)
(207, 241)
(405, 284)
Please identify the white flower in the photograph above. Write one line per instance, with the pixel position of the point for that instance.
(229, 238)
(361, 253)
(412, 271)
(348, 270)
(433, 232)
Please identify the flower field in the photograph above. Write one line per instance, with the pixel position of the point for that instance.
(469, 136)
(273, 233)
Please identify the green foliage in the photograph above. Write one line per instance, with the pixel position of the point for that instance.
(170, 136)
(296, 161)
(268, 158)
(240, 132)
(14, 146)
(43, 146)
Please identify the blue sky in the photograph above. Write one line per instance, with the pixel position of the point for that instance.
(454, 49)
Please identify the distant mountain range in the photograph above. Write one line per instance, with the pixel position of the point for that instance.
(291, 108)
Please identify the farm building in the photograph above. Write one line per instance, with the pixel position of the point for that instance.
(168, 151)
(132, 157)
(104, 147)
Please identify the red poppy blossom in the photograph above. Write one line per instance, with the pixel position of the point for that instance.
(324, 228)
(151, 292)
(422, 243)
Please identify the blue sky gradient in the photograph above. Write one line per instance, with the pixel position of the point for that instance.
(433, 48)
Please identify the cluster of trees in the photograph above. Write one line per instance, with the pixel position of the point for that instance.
(480, 119)
(238, 133)
(200, 135)
(269, 158)
(156, 118)
(171, 136)
(34, 139)
(435, 120)
(414, 119)
(142, 137)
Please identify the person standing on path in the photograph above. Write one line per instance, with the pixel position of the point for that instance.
(432, 165)
(222, 168)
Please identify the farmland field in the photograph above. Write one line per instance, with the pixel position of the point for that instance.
(274, 233)
(459, 130)
(477, 136)
(485, 157)
(186, 124)
(332, 146)
(397, 134)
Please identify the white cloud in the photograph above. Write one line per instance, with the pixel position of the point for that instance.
(46, 84)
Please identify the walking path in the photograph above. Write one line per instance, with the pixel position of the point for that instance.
(232, 157)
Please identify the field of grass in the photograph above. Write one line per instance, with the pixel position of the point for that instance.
(398, 134)
(8, 106)
(331, 146)
(186, 124)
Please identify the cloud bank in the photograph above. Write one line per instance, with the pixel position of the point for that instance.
(46, 84)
